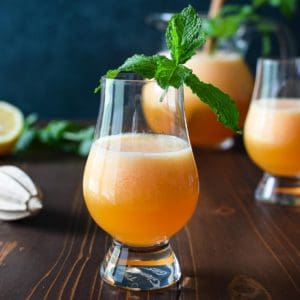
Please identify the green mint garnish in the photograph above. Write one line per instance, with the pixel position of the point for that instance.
(232, 16)
(222, 105)
(184, 36)
(286, 7)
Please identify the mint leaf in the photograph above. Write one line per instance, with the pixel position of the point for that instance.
(222, 27)
(230, 9)
(112, 73)
(25, 140)
(84, 147)
(286, 7)
(29, 134)
(53, 132)
(79, 135)
(169, 73)
(138, 63)
(141, 64)
(220, 103)
(61, 135)
(184, 35)
(227, 22)
(30, 120)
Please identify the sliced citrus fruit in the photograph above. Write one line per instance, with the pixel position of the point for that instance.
(11, 125)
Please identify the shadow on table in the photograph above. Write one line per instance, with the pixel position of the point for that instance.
(56, 221)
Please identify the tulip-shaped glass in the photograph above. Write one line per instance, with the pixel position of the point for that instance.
(140, 185)
(272, 130)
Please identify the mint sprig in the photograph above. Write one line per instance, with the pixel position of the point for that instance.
(286, 7)
(231, 16)
(56, 135)
(184, 36)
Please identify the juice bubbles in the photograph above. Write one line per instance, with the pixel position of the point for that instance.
(141, 188)
(272, 135)
(225, 70)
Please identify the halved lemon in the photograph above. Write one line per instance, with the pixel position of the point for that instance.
(11, 125)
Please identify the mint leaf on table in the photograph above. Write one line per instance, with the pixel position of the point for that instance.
(79, 135)
(30, 120)
(26, 139)
(84, 147)
(184, 35)
(29, 134)
(53, 132)
(60, 135)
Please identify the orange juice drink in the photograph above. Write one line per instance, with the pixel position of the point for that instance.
(141, 188)
(272, 135)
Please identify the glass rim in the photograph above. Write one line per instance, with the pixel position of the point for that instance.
(104, 78)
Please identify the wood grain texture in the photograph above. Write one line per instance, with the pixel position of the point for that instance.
(233, 247)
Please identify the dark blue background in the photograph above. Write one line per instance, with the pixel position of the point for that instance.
(52, 52)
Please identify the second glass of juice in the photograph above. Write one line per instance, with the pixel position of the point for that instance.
(272, 130)
(141, 186)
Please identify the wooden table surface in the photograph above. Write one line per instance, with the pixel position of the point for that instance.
(233, 247)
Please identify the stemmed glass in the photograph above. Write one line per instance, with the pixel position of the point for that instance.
(272, 130)
(140, 182)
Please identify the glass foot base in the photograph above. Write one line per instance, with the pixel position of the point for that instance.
(278, 190)
(140, 268)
